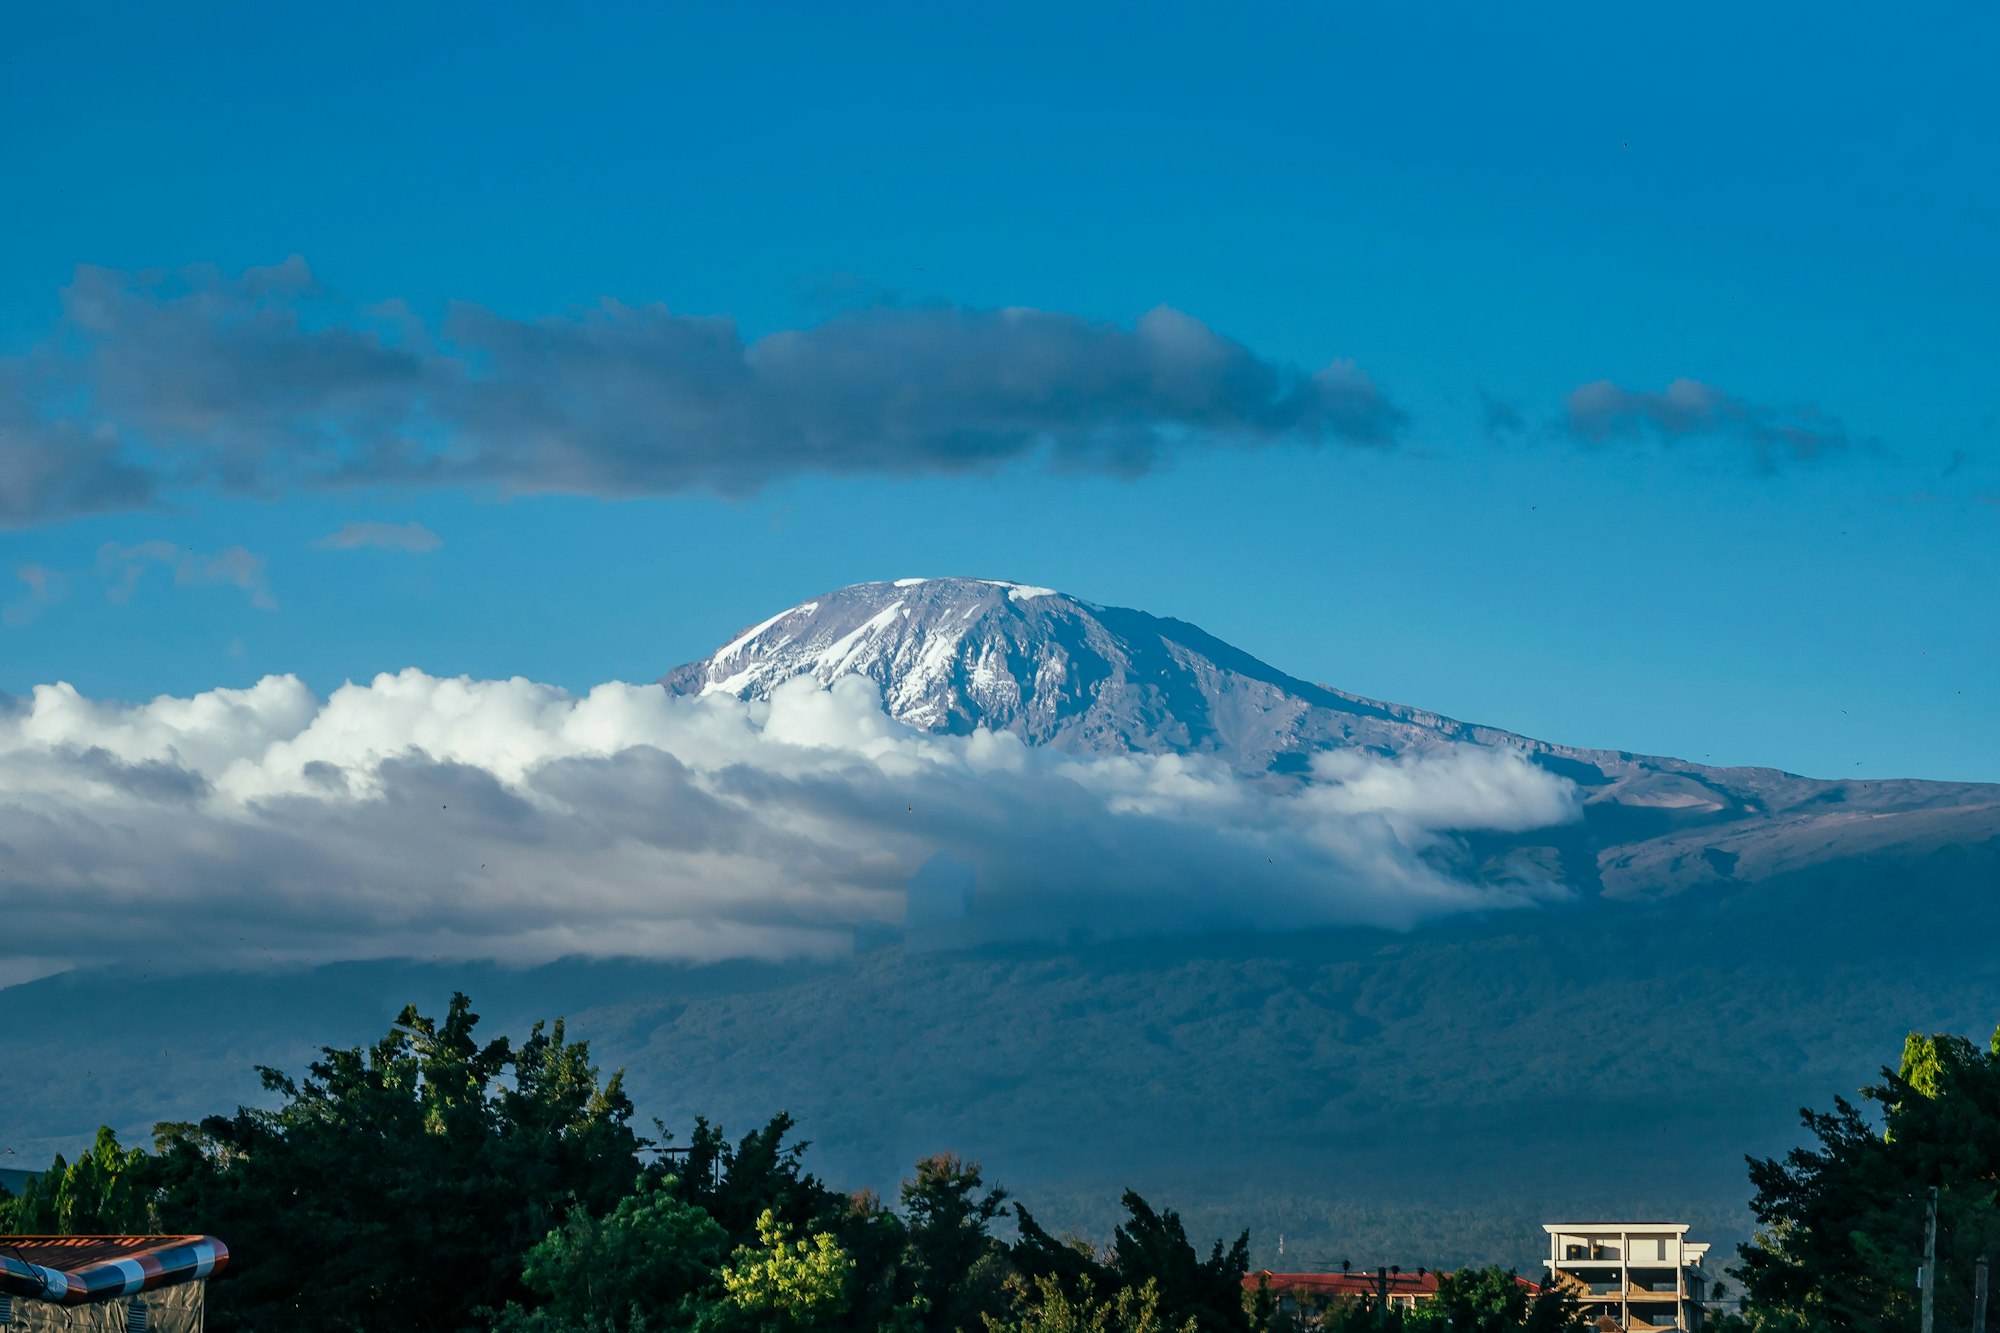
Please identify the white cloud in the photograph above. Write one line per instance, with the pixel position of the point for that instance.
(419, 816)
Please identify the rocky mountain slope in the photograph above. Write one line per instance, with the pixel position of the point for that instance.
(954, 654)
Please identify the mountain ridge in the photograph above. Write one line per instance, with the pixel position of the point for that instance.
(953, 654)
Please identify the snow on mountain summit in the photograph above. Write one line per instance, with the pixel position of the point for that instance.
(954, 654)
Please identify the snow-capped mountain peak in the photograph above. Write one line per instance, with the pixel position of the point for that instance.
(954, 654)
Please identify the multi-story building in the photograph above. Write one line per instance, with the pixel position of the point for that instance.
(1637, 1276)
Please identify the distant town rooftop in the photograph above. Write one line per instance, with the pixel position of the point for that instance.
(1588, 1228)
(1358, 1283)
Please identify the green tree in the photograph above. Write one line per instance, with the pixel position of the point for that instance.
(881, 1294)
(652, 1264)
(107, 1191)
(1045, 1306)
(738, 1183)
(1069, 1260)
(1841, 1219)
(398, 1187)
(957, 1267)
(1153, 1247)
(1493, 1300)
(1150, 1248)
(783, 1285)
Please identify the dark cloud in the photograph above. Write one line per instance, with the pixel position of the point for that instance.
(51, 467)
(265, 381)
(146, 779)
(1602, 412)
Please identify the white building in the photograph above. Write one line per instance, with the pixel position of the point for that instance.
(1641, 1276)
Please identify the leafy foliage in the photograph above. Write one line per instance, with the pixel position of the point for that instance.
(1046, 1306)
(397, 1187)
(648, 1266)
(1842, 1219)
(957, 1267)
(738, 1183)
(436, 1181)
(783, 1285)
(1150, 1251)
(104, 1192)
(1494, 1300)
(1488, 1299)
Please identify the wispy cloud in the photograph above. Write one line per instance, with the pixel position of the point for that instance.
(503, 819)
(45, 587)
(1602, 412)
(122, 568)
(265, 381)
(412, 537)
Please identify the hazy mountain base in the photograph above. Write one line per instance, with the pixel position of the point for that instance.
(1419, 1099)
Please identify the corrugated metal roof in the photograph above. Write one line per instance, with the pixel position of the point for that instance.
(77, 1270)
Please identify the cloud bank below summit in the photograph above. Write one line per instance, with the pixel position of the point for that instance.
(424, 817)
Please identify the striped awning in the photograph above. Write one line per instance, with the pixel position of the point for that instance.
(78, 1270)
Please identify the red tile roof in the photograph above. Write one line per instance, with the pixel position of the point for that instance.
(1359, 1283)
(1345, 1284)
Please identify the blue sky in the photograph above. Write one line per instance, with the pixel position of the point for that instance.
(1484, 211)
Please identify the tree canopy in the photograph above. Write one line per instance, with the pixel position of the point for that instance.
(1841, 1219)
(438, 1180)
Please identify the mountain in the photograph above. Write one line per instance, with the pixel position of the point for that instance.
(954, 654)
(1742, 942)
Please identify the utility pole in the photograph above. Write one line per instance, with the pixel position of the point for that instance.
(1979, 1296)
(1930, 1254)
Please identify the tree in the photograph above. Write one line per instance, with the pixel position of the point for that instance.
(782, 1285)
(1493, 1300)
(107, 1191)
(1149, 1249)
(1068, 1260)
(398, 1187)
(1153, 1247)
(880, 1293)
(737, 1184)
(956, 1265)
(1841, 1220)
(651, 1264)
(1045, 1306)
